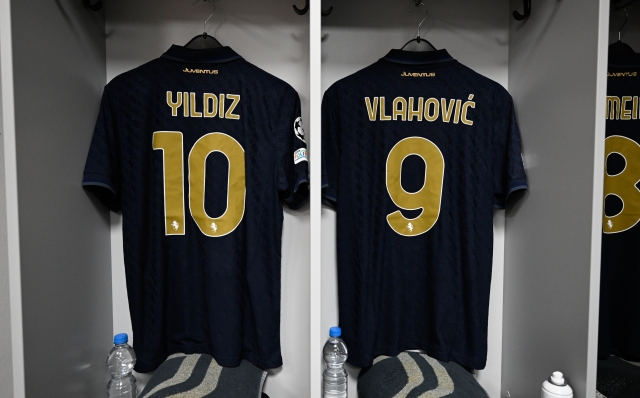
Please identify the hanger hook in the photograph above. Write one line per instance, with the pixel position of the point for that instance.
(93, 7)
(207, 20)
(527, 11)
(419, 3)
(304, 10)
(626, 19)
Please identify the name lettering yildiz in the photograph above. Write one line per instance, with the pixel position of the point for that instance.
(189, 104)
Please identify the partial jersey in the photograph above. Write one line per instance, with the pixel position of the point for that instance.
(199, 148)
(620, 274)
(417, 152)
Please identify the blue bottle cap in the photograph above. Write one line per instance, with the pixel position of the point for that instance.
(335, 332)
(120, 338)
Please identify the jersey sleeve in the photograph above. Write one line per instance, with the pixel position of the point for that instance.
(330, 150)
(101, 172)
(508, 165)
(293, 159)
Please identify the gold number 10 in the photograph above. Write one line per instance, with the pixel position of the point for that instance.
(170, 143)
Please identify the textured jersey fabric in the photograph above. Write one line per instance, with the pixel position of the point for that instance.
(620, 273)
(417, 151)
(199, 149)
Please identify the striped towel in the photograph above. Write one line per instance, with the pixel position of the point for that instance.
(413, 374)
(618, 378)
(199, 375)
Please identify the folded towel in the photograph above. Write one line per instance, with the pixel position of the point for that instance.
(199, 375)
(417, 375)
(618, 378)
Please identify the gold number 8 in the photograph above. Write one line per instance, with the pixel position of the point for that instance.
(428, 198)
(623, 184)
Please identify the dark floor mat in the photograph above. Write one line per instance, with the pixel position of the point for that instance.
(618, 378)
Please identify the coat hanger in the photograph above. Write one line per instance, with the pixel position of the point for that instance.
(93, 7)
(620, 7)
(305, 9)
(419, 39)
(619, 46)
(527, 11)
(204, 40)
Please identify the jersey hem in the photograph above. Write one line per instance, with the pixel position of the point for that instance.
(301, 180)
(300, 193)
(514, 186)
(100, 186)
(226, 362)
(329, 196)
(98, 180)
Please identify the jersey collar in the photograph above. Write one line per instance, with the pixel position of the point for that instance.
(206, 56)
(418, 57)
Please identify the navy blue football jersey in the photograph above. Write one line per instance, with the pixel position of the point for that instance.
(620, 272)
(417, 152)
(199, 149)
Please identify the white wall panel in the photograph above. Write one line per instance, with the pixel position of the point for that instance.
(62, 254)
(557, 77)
(9, 294)
(316, 337)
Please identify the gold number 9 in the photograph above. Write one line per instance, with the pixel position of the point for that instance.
(428, 198)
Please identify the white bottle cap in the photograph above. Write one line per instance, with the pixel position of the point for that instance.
(556, 387)
(557, 378)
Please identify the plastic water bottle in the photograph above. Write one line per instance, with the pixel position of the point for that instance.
(120, 363)
(334, 378)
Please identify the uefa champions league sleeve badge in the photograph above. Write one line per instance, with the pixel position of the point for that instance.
(298, 129)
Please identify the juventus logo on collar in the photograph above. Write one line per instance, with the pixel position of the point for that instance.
(201, 71)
